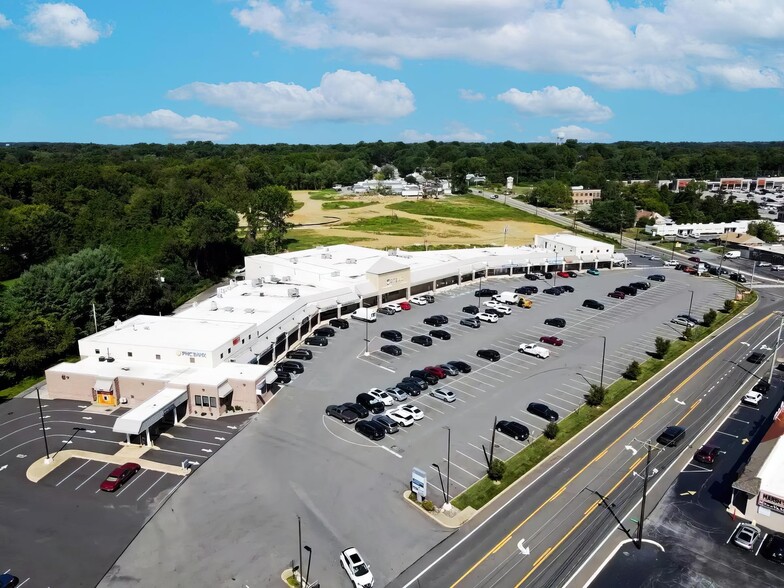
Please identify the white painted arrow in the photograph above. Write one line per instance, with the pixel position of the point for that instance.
(207, 450)
(90, 431)
(87, 418)
(746, 344)
(66, 441)
(47, 416)
(230, 427)
(681, 402)
(2, 467)
(21, 455)
(523, 550)
(44, 405)
(44, 428)
(220, 438)
(83, 406)
(765, 348)
(632, 449)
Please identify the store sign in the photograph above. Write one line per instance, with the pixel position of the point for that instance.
(192, 353)
(391, 281)
(772, 502)
(419, 483)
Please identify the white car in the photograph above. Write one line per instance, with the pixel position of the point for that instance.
(488, 318)
(777, 268)
(418, 300)
(671, 262)
(394, 306)
(413, 410)
(502, 308)
(535, 350)
(356, 568)
(402, 417)
(444, 394)
(381, 396)
(752, 398)
(679, 320)
(655, 258)
(763, 264)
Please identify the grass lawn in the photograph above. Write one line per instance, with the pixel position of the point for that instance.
(453, 222)
(388, 225)
(440, 246)
(343, 204)
(20, 387)
(298, 205)
(327, 194)
(307, 239)
(469, 208)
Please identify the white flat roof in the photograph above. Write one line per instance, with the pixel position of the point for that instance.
(149, 412)
(220, 373)
(573, 240)
(118, 368)
(771, 474)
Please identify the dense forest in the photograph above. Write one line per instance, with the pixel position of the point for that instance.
(139, 228)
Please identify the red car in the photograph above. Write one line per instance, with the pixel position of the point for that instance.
(707, 454)
(119, 476)
(436, 371)
(551, 340)
(563, 275)
(405, 305)
(695, 259)
(617, 294)
(690, 270)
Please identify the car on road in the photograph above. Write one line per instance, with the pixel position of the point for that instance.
(773, 548)
(746, 536)
(371, 404)
(694, 259)
(617, 294)
(526, 290)
(485, 293)
(405, 305)
(391, 335)
(777, 268)
(381, 396)
(436, 371)
(471, 309)
(422, 340)
(449, 370)
(562, 274)
(762, 387)
(671, 436)
(707, 454)
(119, 476)
(402, 417)
(472, 322)
(440, 334)
(756, 357)
(551, 340)
(590, 303)
(418, 382)
(389, 424)
(655, 258)
(444, 394)
(738, 278)
(657, 278)
(372, 430)
(764, 264)
(300, 354)
(534, 349)
(392, 350)
(488, 354)
(486, 317)
(752, 398)
(294, 367)
(552, 291)
(338, 323)
(555, 322)
(515, 430)
(543, 411)
(460, 366)
(418, 300)
(396, 393)
(317, 341)
(356, 568)
(413, 410)
(386, 310)
(693, 250)
(324, 332)
(431, 379)
(679, 320)
(409, 388)
(593, 272)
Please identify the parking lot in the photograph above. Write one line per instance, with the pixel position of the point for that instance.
(294, 436)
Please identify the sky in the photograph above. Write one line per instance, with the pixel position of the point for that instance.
(343, 71)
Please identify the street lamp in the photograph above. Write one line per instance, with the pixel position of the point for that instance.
(43, 424)
(367, 332)
(448, 506)
(691, 300)
(604, 350)
(299, 531)
(75, 431)
(307, 574)
(440, 479)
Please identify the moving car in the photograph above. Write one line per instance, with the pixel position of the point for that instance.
(617, 294)
(555, 322)
(392, 350)
(534, 349)
(487, 317)
(119, 476)
(590, 303)
(418, 300)
(543, 411)
(436, 371)
(294, 367)
(679, 320)
(422, 340)
(707, 454)
(300, 354)
(472, 322)
(356, 568)
(317, 341)
(471, 309)
(401, 417)
(460, 366)
(670, 263)
(746, 536)
(489, 354)
(371, 430)
(324, 332)
(657, 278)
(551, 340)
(444, 394)
(593, 272)
(515, 430)
(485, 292)
(440, 334)
(389, 424)
(413, 410)
(694, 259)
(756, 357)
(381, 396)
(777, 268)
(338, 323)
(671, 436)
(764, 264)
(752, 398)
(738, 278)
(397, 393)
(391, 336)
(370, 403)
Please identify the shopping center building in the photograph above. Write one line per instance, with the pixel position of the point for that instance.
(217, 356)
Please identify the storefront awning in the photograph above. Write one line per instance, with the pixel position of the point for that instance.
(225, 389)
(104, 385)
(149, 412)
(347, 298)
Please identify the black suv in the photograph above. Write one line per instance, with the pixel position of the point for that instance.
(372, 404)
(431, 379)
(628, 290)
(317, 341)
(566, 288)
(488, 354)
(471, 309)
(436, 320)
(293, 367)
(440, 334)
(738, 278)
(527, 290)
(429, 297)
(657, 278)
(460, 366)
(324, 332)
(485, 292)
(392, 336)
(542, 410)
(590, 303)
(555, 322)
(671, 436)
(515, 430)
(342, 413)
(553, 291)
(361, 411)
(412, 381)
(422, 340)
(299, 354)
(756, 357)
(409, 388)
(338, 323)
(283, 377)
(640, 285)
(531, 277)
(371, 430)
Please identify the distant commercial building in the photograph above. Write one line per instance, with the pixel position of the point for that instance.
(583, 197)
(570, 246)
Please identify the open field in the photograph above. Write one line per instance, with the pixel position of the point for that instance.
(322, 219)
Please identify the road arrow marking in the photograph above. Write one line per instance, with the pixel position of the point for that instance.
(21, 455)
(83, 406)
(90, 431)
(681, 402)
(746, 344)
(2, 467)
(688, 493)
(87, 418)
(47, 416)
(67, 442)
(231, 427)
(220, 438)
(632, 449)
(207, 450)
(44, 428)
(744, 441)
(523, 550)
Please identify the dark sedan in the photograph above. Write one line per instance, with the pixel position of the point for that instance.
(409, 388)
(460, 366)
(773, 549)
(392, 350)
(555, 322)
(317, 341)
(428, 377)
(471, 309)
(299, 354)
(422, 340)
(514, 429)
(435, 321)
(294, 367)
(440, 334)
(756, 358)
(485, 292)
(527, 290)
(283, 376)
(590, 303)
(707, 454)
(412, 381)
(8, 581)
(392, 336)
(566, 288)
(361, 411)
(338, 323)
(543, 411)
(489, 354)
(370, 403)
(324, 332)
(552, 291)
(671, 436)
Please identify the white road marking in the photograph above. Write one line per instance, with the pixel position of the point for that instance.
(150, 487)
(73, 472)
(92, 476)
(136, 477)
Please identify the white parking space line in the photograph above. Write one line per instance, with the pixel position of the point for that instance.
(474, 476)
(92, 476)
(471, 458)
(421, 400)
(180, 452)
(561, 407)
(222, 431)
(464, 383)
(150, 487)
(73, 472)
(578, 396)
(497, 444)
(578, 388)
(129, 484)
(22, 583)
(195, 441)
(452, 481)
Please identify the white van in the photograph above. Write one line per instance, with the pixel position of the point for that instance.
(507, 297)
(732, 255)
(365, 314)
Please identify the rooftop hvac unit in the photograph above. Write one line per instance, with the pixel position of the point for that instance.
(274, 279)
(101, 358)
(250, 310)
(351, 260)
(229, 309)
(294, 292)
(258, 282)
(326, 256)
(335, 274)
(261, 293)
(109, 359)
(117, 324)
(213, 305)
(286, 279)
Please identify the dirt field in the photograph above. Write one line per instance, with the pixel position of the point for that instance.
(436, 231)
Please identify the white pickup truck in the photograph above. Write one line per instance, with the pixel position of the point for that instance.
(535, 350)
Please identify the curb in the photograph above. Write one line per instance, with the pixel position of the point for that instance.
(460, 516)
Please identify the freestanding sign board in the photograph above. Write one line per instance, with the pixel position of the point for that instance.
(419, 483)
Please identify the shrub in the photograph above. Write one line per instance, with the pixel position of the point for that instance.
(428, 505)
(709, 318)
(662, 346)
(496, 470)
(729, 305)
(688, 334)
(633, 371)
(595, 396)
(551, 430)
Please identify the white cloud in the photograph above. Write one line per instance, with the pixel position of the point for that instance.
(341, 96)
(569, 103)
(743, 76)
(662, 45)
(580, 133)
(63, 25)
(5, 22)
(197, 128)
(470, 95)
(454, 132)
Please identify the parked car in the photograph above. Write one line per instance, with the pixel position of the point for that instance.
(535, 350)
(562, 274)
(370, 403)
(551, 340)
(431, 379)
(418, 300)
(471, 309)
(762, 387)
(401, 417)
(494, 312)
(371, 430)
(657, 278)
(640, 285)
(617, 294)
(422, 340)
(515, 430)
(566, 288)
(433, 321)
(460, 366)
(691, 318)
(628, 290)
(389, 424)
(8, 581)
(391, 335)
(409, 388)
(752, 398)
(300, 354)
(119, 476)
(498, 307)
(679, 320)
(413, 410)
(777, 268)
(283, 377)
(294, 367)
(393, 350)
(555, 322)
(671, 436)
(527, 290)
(738, 278)
(487, 317)
(394, 307)
(361, 411)
(756, 357)
(707, 454)
(589, 303)
(670, 263)
(593, 272)
(356, 568)
(396, 393)
(429, 298)
(405, 305)
(773, 549)
(489, 354)
(531, 277)
(572, 274)
(449, 369)
(552, 291)
(418, 382)
(440, 334)
(764, 264)
(317, 341)
(746, 536)
(542, 411)
(444, 394)
(436, 371)
(485, 292)
(338, 323)
(472, 322)
(386, 310)
(324, 332)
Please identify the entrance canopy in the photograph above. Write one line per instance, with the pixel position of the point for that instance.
(149, 412)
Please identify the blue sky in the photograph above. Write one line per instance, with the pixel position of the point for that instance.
(342, 71)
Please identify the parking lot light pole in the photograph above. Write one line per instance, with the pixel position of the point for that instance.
(775, 350)
(447, 505)
(604, 352)
(307, 574)
(690, 303)
(299, 532)
(43, 425)
(75, 431)
(367, 332)
(441, 479)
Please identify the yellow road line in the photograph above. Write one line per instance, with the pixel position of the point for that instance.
(601, 455)
(636, 463)
(587, 465)
(502, 543)
(693, 406)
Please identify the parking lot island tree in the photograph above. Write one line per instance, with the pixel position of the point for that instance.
(551, 431)
(595, 396)
(709, 318)
(662, 346)
(633, 371)
(496, 470)
(729, 305)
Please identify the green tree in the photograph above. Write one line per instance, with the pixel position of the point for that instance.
(551, 194)
(729, 305)
(496, 470)
(764, 230)
(275, 205)
(459, 170)
(209, 234)
(34, 343)
(688, 334)
(595, 396)
(633, 371)
(31, 234)
(551, 431)
(662, 346)
(610, 215)
(709, 318)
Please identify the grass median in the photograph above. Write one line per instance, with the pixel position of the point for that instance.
(484, 490)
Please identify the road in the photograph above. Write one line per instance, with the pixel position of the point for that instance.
(552, 514)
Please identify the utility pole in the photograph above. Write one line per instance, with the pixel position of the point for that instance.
(448, 506)
(650, 448)
(753, 268)
(604, 350)
(691, 301)
(775, 349)
(299, 529)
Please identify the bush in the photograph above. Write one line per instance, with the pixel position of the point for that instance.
(595, 396)
(729, 305)
(662, 346)
(633, 371)
(688, 334)
(428, 505)
(551, 430)
(709, 318)
(496, 470)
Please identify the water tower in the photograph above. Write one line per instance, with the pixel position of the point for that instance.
(560, 138)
